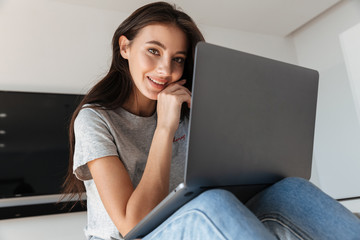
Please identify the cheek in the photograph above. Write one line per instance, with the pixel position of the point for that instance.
(140, 64)
(147, 62)
(178, 72)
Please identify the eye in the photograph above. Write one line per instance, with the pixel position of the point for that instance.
(153, 51)
(179, 60)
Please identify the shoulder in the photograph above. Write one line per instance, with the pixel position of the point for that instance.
(89, 117)
(96, 118)
(89, 111)
(92, 112)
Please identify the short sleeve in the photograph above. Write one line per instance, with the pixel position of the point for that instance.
(93, 140)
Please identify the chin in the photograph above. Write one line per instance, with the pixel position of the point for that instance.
(152, 96)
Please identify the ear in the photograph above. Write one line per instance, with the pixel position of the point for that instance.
(124, 44)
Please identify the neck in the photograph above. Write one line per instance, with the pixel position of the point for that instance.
(140, 105)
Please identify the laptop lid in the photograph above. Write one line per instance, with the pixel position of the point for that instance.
(251, 124)
(252, 119)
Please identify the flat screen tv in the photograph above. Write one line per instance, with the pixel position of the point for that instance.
(34, 151)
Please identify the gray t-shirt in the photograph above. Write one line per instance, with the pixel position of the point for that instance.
(100, 133)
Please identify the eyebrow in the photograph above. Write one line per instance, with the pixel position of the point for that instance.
(163, 46)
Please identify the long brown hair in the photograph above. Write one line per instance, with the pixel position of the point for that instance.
(115, 88)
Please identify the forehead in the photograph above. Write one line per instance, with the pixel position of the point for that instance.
(169, 35)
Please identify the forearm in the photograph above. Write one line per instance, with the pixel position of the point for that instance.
(154, 184)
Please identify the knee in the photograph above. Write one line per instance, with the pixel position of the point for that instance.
(290, 191)
(216, 199)
(215, 195)
(218, 204)
(293, 186)
(293, 181)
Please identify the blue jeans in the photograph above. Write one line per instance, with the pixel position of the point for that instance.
(290, 209)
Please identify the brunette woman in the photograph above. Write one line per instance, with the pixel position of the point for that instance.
(124, 158)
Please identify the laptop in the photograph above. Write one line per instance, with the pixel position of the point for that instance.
(251, 124)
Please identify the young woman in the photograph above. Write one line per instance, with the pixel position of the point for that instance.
(124, 156)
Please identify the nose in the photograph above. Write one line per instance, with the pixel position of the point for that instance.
(164, 67)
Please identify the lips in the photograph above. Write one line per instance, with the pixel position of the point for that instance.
(157, 82)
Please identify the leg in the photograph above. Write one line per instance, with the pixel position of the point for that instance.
(296, 209)
(215, 214)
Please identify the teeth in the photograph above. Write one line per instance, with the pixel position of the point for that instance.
(160, 83)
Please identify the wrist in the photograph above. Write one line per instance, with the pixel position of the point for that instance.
(165, 132)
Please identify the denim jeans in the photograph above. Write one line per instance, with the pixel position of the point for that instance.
(290, 209)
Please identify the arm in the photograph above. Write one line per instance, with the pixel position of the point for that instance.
(127, 206)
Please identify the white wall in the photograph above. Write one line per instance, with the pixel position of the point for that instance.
(337, 133)
(278, 48)
(350, 40)
(52, 46)
(59, 47)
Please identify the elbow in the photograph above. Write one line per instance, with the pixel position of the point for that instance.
(133, 214)
(124, 227)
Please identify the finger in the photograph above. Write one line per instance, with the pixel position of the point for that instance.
(181, 82)
(186, 89)
(185, 98)
(176, 84)
(174, 87)
(182, 90)
(182, 97)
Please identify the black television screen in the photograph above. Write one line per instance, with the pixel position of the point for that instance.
(34, 146)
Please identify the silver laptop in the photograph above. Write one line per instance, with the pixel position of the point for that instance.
(251, 124)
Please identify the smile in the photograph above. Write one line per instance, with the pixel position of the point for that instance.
(157, 82)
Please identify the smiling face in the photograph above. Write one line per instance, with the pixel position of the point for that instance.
(156, 58)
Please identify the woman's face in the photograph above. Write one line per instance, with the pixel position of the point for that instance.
(156, 57)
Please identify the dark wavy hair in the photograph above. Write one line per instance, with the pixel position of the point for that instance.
(115, 88)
